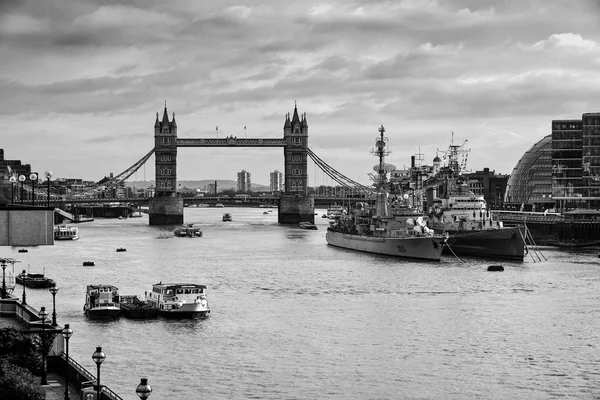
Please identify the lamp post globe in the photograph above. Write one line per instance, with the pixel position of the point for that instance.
(67, 332)
(48, 175)
(22, 179)
(13, 180)
(33, 178)
(98, 358)
(53, 290)
(43, 314)
(143, 390)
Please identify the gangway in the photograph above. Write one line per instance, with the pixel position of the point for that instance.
(71, 217)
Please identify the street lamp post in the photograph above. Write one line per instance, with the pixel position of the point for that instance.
(3, 280)
(53, 290)
(98, 358)
(22, 179)
(143, 390)
(24, 273)
(67, 332)
(43, 314)
(12, 180)
(48, 175)
(33, 178)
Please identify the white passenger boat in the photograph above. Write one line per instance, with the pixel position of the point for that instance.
(102, 302)
(179, 300)
(66, 232)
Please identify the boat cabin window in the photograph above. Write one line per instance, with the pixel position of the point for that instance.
(188, 291)
(179, 291)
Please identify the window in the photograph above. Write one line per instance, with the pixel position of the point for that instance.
(165, 184)
(165, 171)
(296, 171)
(296, 186)
(297, 131)
(165, 141)
(296, 141)
(165, 157)
(296, 157)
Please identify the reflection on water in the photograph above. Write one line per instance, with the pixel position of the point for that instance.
(295, 318)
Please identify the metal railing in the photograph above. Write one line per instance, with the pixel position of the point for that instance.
(105, 391)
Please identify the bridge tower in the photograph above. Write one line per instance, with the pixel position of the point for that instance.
(165, 207)
(295, 205)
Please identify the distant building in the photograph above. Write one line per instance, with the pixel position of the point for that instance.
(13, 167)
(211, 188)
(491, 185)
(276, 183)
(243, 181)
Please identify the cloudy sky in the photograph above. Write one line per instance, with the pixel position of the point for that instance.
(82, 80)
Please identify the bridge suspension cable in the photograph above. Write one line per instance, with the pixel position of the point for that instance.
(337, 176)
(131, 170)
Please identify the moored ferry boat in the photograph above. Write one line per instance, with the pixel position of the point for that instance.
(189, 230)
(227, 217)
(102, 302)
(179, 300)
(34, 281)
(391, 227)
(66, 232)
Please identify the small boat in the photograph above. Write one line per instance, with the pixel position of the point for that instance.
(88, 264)
(102, 302)
(219, 205)
(265, 213)
(66, 232)
(179, 300)
(134, 308)
(121, 249)
(307, 225)
(34, 281)
(227, 217)
(189, 230)
(23, 251)
(324, 216)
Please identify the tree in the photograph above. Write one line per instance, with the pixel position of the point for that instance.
(18, 383)
(19, 358)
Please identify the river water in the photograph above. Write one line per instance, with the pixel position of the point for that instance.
(294, 318)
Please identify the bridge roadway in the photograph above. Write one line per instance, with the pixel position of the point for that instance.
(255, 200)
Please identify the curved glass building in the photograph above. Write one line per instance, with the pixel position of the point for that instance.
(530, 184)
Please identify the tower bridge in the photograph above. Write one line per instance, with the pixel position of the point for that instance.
(295, 204)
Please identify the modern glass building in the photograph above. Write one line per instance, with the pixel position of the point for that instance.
(530, 184)
(560, 171)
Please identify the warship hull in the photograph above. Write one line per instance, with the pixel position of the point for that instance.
(417, 247)
(503, 243)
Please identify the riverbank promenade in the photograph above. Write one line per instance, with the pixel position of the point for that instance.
(55, 389)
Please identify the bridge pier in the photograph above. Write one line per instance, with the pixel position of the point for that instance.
(165, 211)
(294, 209)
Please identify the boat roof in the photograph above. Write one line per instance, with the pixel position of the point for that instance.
(178, 285)
(100, 285)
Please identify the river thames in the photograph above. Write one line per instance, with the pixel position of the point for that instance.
(294, 318)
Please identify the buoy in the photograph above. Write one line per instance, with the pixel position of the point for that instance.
(495, 268)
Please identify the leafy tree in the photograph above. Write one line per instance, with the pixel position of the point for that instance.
(20, 349)
(17, 383)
